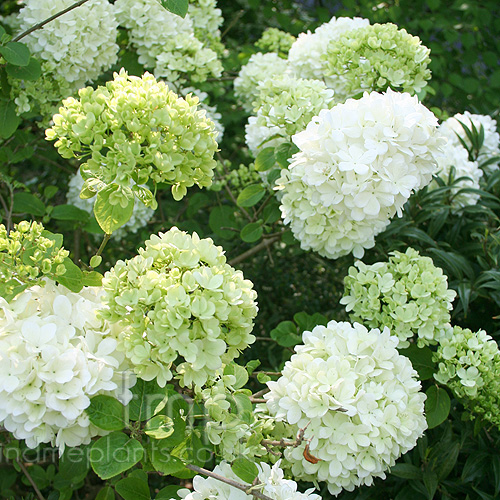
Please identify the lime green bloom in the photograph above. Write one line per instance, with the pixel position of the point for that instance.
(134, 130)
(377, 57)
(469, 364)
(275, 40)
(407, 294)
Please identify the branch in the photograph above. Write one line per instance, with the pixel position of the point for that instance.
(257, 248)
(48, 20)
(242, 487)
(30, 479)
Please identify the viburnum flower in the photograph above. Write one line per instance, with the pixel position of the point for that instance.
(259, 68)
(452, 129)
(306, 58)
(271, 482)
(284, 106)
(140, 216)
(63, 48)
(378, 57)
(357, 401)
(275, 40)
(358, 164)
(166, 42)
(408, 294)
(456, 156)
(27, 256)
(135, 129)
(207, 20)
(55, 353)
(183, 304)
(469, 364)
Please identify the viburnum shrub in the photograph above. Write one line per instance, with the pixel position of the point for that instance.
(178, 252)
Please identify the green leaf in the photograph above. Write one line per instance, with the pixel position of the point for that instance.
(431, 483)
(159, 427)
(406, 471)
(286, 334)
(73, 468)
(421, 359)
(239, 373)
(220, 219)
(245, 469)
(106, 493)
(147, 399)
(162, 459)
(69, 212)
(168, 493)
(106, 413)
(111, 217)
(95, 261)
(252, 232)
(284, 152)
(72, 279)
(251, 195)
(92, 278)
(114, 454)
(265, 160)
(179, 7)
(32, 71)
(132, 488)
(437, 406)
(306, 322)
(15, 53)
(28, 203)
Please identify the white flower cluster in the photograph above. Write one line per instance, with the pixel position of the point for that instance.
(271, 482)
(469, 364)
(408, 294)
(307, 55)
(358, 164)
(451, 128)
(284, 106)
(54, 355)
(166, 42)
(206, 19)
(357, 400)
(181, 300)
(455, 155)
(259, 68)
(140, 217)
(70, 55)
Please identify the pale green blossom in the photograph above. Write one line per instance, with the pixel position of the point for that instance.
(275, 40)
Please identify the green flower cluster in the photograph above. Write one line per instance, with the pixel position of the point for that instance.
(27, 254)
(184, 304)
(283, 107)
(238, 178)
(469, 364)
(275, 40)
(407, 294)
(135, 129)
(377, 57)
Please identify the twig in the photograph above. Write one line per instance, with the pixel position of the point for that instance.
(48, 20)
(257, 400)
(30, 479)
(235, 19)
(284, 443)
(261, 392)
(257, 248)
(242, 487)
(103, 244)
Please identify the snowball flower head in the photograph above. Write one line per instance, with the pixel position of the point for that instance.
(306, 58)
(140, 217)
(81, 55)
(55, 354)
(259, 68)
(469, 363)
(357, 399)
(284, 106)
(135, 129)
(183, 304)
(358, 164)
(378, 57)
(456, 156)
(275, 40)
(167, 43)
(452, 129)
(408, 294)
(271, 483)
